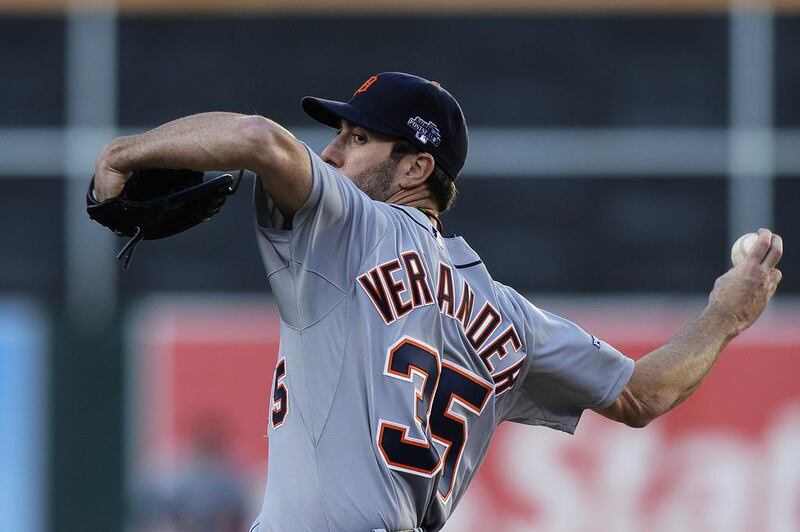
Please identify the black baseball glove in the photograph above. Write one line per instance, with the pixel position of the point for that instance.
(160, 203)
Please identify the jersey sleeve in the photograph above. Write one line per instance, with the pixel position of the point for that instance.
(567, 371)
(314, 257)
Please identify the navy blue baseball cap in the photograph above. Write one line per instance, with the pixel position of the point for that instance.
(405, 106)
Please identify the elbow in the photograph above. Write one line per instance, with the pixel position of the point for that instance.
(280, 161)
(264, 140)
(638, 420)
(632, 409)
(641, 411)
(646, 408)
(257, 133)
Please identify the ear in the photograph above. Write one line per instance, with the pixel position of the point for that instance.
(416, 169)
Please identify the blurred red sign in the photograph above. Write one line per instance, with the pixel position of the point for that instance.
(203, 366)
(727, 459)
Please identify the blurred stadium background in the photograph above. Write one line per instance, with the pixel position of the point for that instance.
(618, 147)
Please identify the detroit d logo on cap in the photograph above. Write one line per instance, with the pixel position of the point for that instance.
(366, 85)
(425, 131)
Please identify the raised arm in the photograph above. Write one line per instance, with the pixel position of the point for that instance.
(212, 141)
(667, 376)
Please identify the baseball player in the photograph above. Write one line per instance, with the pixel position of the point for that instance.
(399, 353)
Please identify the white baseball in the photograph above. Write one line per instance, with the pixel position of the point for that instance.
(742, 246)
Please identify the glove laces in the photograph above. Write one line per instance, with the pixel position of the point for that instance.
(126, 253)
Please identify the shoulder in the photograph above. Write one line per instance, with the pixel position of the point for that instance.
(509, 297)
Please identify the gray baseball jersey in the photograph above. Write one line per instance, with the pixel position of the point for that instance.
(399, 356)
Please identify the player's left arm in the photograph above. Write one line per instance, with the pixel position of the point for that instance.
(667, 376)
(212, 141)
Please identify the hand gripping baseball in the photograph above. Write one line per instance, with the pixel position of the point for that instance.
(159, 203)
(744, 291)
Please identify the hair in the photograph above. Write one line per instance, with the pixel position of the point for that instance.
(441, 186)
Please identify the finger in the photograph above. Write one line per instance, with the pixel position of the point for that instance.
(758, 252)
(775, 252)
(772, 285)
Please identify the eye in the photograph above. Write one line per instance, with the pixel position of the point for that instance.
(359, 138)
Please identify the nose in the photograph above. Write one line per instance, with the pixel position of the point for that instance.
(333, 155)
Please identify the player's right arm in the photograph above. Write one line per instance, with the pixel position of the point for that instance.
(667, 376)
(212, 141)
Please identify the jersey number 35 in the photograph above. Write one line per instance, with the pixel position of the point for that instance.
(444, 385)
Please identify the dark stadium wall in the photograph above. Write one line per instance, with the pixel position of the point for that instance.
(635, 72)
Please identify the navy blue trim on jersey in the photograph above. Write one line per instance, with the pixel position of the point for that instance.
(433, 232)
(430, 229)
(469, 265)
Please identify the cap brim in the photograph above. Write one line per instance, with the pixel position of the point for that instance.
(331, 113)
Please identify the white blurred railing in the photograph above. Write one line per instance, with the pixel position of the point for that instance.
(751, 152)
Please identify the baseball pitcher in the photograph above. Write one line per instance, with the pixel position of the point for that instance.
(399, 353)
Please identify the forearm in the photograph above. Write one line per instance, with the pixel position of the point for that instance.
(207, 141)
(212, 141)
(665, 377)
(668, 375)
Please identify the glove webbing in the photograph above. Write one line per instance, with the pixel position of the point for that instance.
(126, 253)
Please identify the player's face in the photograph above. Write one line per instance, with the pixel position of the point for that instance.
(364, 156)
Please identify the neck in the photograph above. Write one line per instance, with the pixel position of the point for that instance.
(419, 197)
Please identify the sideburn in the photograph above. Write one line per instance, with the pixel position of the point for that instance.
(377, 181)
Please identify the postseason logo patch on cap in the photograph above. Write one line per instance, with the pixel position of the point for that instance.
(425, 131)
